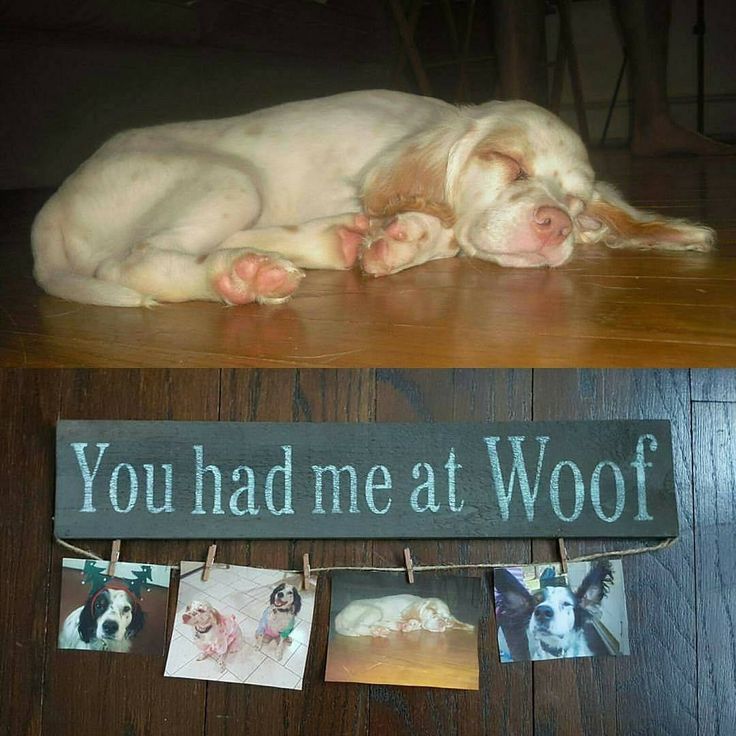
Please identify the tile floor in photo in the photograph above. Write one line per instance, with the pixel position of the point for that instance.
(244, 592)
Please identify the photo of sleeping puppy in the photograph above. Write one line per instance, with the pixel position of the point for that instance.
(279, 618)
(112, 616)
(403, 612)
(385, 631)
(216, 635)
(544, 614)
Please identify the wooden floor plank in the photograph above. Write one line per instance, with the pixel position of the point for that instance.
(604, 308)
(653, 690)
(30, 402)
(254, 395)
(503, 704)
(714, 469)
(713, 385)
(146, 702)
(333, 396)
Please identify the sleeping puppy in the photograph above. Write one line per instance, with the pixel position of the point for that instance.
(403, 612)
(279, 618)
(215, 635)
(556, 621)
(107, 621)
(231, 210)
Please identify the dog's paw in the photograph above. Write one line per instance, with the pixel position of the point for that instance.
(351, 236)
(242, 277)
(406, 240)
(380, 631)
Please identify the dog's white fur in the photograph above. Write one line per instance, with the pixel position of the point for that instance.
(119, 611)
(561, 637)
(223, 209)
(403, 612)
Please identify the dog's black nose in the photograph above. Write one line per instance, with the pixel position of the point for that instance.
(110, 627)
(544, 613)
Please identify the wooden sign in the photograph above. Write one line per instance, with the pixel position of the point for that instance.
(219, 480)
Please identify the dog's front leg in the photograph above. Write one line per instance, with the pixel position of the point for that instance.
(405, 240)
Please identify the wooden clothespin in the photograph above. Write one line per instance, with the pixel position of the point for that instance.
(563, 554)
(409, 565)
(209, 562)
(114, 557)
(307, 572)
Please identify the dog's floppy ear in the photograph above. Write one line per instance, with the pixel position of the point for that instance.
(608, 219)
(412, 177)
(595, 585)
(297, 600)
(513, 598)
(514, 607)
(87, 627)
(272, 599)
(136, 622)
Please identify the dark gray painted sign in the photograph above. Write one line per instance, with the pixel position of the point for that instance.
(219, 480)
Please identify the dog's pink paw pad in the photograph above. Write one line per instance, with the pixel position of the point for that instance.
(395, 229)
(255, 277)
(350, 241)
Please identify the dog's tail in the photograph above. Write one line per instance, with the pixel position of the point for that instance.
(54, 272)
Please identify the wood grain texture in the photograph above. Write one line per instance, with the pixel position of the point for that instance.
(432, 396)
(30, 403)
(713, 385)
(604, 308)
(662, 643)
(714, 470)
(678, 680)
(148, 702)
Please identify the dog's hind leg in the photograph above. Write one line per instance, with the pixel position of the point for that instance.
(233, 276)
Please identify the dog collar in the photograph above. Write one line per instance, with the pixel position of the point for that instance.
(202, 631)
(554, 651)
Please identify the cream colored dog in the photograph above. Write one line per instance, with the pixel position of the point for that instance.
(403, 612)
(232, 210)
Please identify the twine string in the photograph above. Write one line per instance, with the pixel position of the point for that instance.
(664, 544)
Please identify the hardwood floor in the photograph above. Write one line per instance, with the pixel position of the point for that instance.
(604, 308)
(679, 679)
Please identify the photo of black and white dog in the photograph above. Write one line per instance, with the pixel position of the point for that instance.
(544, 614)
(123, 613)
(279, 618)
(108, 620)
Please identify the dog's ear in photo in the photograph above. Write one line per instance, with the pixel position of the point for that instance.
(595, 585)
(278, 588)
(136, 622)
(87, 623)
(515, 605)
(297, 600)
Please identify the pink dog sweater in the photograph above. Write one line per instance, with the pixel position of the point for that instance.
(227, 635)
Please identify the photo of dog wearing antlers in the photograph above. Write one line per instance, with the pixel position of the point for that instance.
(544, 614)
(122, 613)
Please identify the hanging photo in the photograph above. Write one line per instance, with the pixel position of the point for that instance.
(385, 631)
(244, 624)
(544, 614)
(124, 613)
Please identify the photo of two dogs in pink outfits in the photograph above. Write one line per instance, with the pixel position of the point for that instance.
(242, 624)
